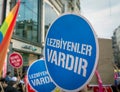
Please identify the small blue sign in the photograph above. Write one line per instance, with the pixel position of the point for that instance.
(71, 52)
(38, 77)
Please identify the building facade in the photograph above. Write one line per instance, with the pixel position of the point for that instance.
(72, 6)
(33, 21)
(3, 4)
(116, 45)
(105, 63)
(29, 33)
(1, 8)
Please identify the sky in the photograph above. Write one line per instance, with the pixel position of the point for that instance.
(104, 15)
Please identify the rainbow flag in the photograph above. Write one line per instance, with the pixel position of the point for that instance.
(6, 32)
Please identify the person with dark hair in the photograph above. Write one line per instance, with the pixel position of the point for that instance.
(1, 87)
(116, 88)
(7, 87)
(11, 87)
(8, 76)
(20, 87)
(3, 83)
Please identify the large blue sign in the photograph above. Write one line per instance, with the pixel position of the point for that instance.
(71, 52)
(38, 77)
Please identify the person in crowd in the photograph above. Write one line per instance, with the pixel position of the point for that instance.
(8, 86)
(118, 87)
(2, 84)
(12, 87)
(8, 76)
(20, 85)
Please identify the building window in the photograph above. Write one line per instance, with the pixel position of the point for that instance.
(50, 16)
(27, 21)
(1, 11)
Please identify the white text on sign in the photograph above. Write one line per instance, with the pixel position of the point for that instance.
(68, 61)
(40, 78)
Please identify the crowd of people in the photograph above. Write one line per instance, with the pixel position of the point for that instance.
(18, 84)
(12, 83)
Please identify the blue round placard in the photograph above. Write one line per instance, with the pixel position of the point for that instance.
(71, 52)
(38, 77)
